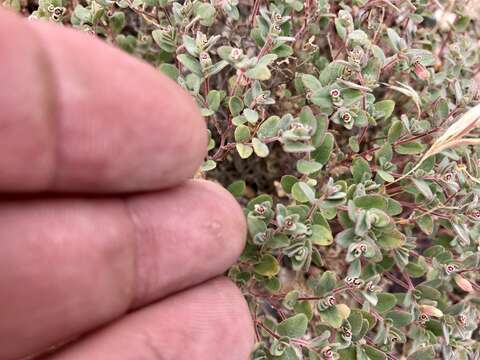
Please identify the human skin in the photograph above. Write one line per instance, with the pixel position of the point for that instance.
(107, 250)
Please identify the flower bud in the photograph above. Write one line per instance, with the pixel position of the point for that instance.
(463, 283)
(327, 353)
(450, 268)
(236, 54)
(430, 310)
(420, 70)
(335, 93)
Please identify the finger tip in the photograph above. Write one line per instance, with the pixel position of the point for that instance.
(230, 214)
(194, 132)
(231, 298)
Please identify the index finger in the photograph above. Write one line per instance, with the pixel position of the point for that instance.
(79, 115)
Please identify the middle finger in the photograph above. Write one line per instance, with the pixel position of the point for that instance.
(70, 265)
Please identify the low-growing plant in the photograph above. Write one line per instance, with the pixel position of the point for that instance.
(347, 130)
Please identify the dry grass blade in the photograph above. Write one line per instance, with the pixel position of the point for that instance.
(407, 91)
(452, 137)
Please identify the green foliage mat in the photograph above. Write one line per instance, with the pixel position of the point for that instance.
(347, 130)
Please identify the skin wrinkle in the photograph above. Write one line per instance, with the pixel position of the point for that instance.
(147, 277)
(151, 346)
(208, 325)
(47, 245)
(52, 104)
(138, 257)
(193, 324)
(17, 118)
(163, 223)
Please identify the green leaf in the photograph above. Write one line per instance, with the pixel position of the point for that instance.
(385, 302)
(259, 73)
(425, 223)
(289, 354)
(355, 319)
(206, 12)
(308, 167)
(358, 37)
(360, 170)
(255, 225)
(282, 50)
(428, 292)
(396, 41)
(188, 42)
(258, 200)
(311, 82)
(383, 109)
(441, 109)
(323, 152)
(391, 240)
(374, 354)
(170, 70)
(303, 193)
(251, 116)
(293, 327)
(425, 57)
(304, 307)
(415, 270)
(206, 112)
(242, 133)
(327, 283)
(393, 207)
(323, 100)
(319, 136)
(426, 353)
(208, 165)
(84, 14)
(348, 353)
(290, 299)
(371, 201)
(321, 235)
(331, 72)
(385, 176)
(462, 23)
(237, 188)
(410, 148)
(297, 147)
(269, 128)
(287, 182)
(260, 148)
(351, 97)
(235, 105)
(267, 59)
(215, 68)
(190, 63)
(268, 266)
(395, 131)
(334, 315)
(384, 153)
(273, 284)
(117, 21)
(423, 187)
(353, 143)
(213, 100)
(307, 117)
(245, 151)
(372, 320)
(399, 318)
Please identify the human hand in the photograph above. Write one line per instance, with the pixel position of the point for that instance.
(129, 271)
